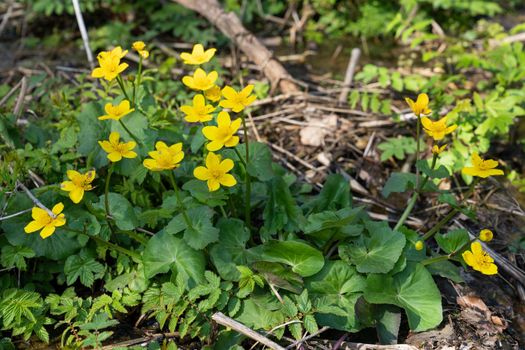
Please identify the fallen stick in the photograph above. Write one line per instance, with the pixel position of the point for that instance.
(230, 25)
(222, 319)
(21, 96)
(349, 75)
(83, 33)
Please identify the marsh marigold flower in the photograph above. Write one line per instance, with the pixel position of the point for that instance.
(437, 130)
(486, 235)
(237, 101)
(42, 220)
(222, 135)
(199, 111)
(420, 106)
(419, 245)
(164, 157)
(437, 149)
(213, 94)
(116, 112)
(200, 80)
(117, 150)
(197, 55)
(480, 260)
(139, 46)
(109, 62)
(78, 184)
(216, 172)
(482, 168)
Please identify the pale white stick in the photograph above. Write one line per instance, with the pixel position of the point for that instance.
(83, 33)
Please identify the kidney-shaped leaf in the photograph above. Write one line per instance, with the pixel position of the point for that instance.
(304, 259)
(164, 252)
(414, 290)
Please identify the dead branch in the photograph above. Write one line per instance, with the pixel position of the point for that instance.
(230, 25)
(222, 319)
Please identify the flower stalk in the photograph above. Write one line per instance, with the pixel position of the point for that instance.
(179, 200)
(247, 207)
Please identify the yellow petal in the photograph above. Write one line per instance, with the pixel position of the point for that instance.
(476, 160)
(232, 141)
(247, 90)
(76, 195)
(213, 185)
(114, 138)
(422, 100)
(47, 231)
(57, 209)
(492, 269)
(226, 165)
(227, 180)
(214, 146)
(469, 258)
(74, 175)
(201, 173)
(210, 132)
(67, 186)
(427, 123)
(212, 161)
(114, 156)
(39, 214)
(129, 154)
(229, 92)
(33, 226)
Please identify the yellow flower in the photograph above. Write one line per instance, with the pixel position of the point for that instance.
(420, 106)
(237, 101)
(199, 112)
(482, 168)
(437, 130)
(480, 260)
(116, 112)
(110, 65)
(437, 150)
(197, 55)
(117, 150)
(165, 157)
(223, 134)
(45, 222)
(215, 172)
(139, 46)
(486, 235)
(213, 94)
(78, 184)
(419, 245)
(200, 80)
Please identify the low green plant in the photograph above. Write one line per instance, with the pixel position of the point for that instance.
(159, 200)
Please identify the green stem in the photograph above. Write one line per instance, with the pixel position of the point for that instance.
(415, 196)
(418, 127)
(121, 84)
(106, 197)
(137, 81)
(435, 259)
(107, 244)
(247, 207)
(240, 158)
(223, 211)
(128, 131)
(446, 257)
(450, 215)
(135, 236)
(179, 200)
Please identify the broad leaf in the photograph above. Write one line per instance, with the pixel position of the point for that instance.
(121, 210)
(201, 233)
(452, 241)
(440, 173)
(260, 156)
(412, 289)
(334, 195)
(230, 249)
(376, 253)
(164, 252)
(303, 258)
(399, 182)
(281, 211)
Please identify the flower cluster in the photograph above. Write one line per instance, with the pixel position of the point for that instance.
(476, 257)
